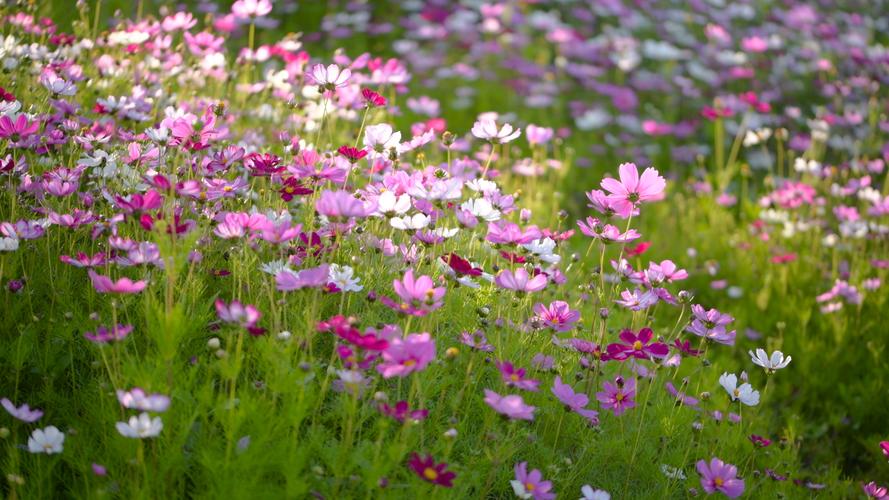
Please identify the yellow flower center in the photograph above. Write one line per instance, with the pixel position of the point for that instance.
(529, 486)
(637, 345)
(514, 377)
(410, 362)
(430, 474)
(718, 481)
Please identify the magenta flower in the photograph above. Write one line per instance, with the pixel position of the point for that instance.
(873, 490)
(557, 315)
(24, 412)
(574, 401)
(637, 346)
(103, 335)
(419, 296)
(509, 233)
(633, 189)
(511, 406)
(401, 411)
(19, 129)
(531, 485)
(405, 356)
(515, 377)
(103, 284)
(520, 281)
(884, 447)
(618, 397)
(720, 476)
(711, 324)
(427, 470)
(237, 313)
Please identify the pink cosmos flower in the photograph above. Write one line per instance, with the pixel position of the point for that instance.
(557, 315)
(720, 476)
(873, 490)
(403, 357)
(574, 401)
(711, 324)
(23, 412)
(342, 205)
(600, 202)
(538, 135)
(330, 77)
(618, 397)
(249, 9)
(884, 447)
(314, 277)
(511, 406)
(509, 233)
(606, 233)
(520, 281)
(138, 399)
(19, 129)
(104, 284)
(637, 346)
(237, 313)
(632, 189)
(515, 377)
(531, 485)
(666, 271)
(637, 300)
(419, 296)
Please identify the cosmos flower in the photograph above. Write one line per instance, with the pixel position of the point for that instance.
(528, 485)
(24, 412)
(330, 77)
(557, 315)
(743, 393)
(632, 189)
(510, 406)
(138, 399)
(771, 363)
(403, 357)
(720, 476)
(48, 440)
(104, 284)
(436, 473)
(520, 281)
(487, 130)
(140, 427)
(618, 396)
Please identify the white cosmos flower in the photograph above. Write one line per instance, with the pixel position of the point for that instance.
(483, 186)
(141, 427)
(481, 208)
(388, 203)
(520, 491)
(330, 76)
(771, 364)
(543, 249)
(590, 494)
(9, 244)
(274, 267)
(344, 278)
(445, 232)
(487, 129)
(744, 392)
(48, 440)
(416, 221)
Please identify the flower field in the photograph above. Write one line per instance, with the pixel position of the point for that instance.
(444, 249)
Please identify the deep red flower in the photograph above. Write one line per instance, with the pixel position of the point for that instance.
(292, 188)
(402, 411)
(460, 265)
(372, 99)
(684, 348)
(638, 249)
(352, 154)
(428, 470)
